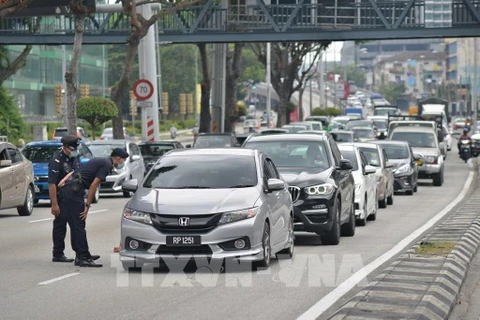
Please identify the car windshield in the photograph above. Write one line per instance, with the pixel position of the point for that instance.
(372, 156)
(294, 129)
(104, 150)
(203, 172)
(342, 120)
(61, 132)
(108, 131)
(155, 150)
(361, 123)
(316, 126)
(212, 142)
(380, 124)
(363, 133)
(352, 157)
(342, 137)
(416, 139)
(311, 154)
(460, 121)
(250, 123)
(40, 153)
(396, 151)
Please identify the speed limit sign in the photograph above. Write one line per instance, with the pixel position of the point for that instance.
(143, 89)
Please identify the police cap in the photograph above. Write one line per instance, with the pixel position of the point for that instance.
(119, 152)
(71, 141)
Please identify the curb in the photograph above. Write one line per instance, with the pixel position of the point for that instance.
(423, 286)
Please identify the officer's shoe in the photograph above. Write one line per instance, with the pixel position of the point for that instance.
(93, 257)
(61, 259)
(89, 263)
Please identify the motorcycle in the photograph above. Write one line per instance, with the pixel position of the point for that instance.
(465, 149)
(173, 135)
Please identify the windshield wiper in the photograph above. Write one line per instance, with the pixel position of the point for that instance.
(242, 186)
(193, 187)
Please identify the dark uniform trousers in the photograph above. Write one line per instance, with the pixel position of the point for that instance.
(72, 203)
(60, 228)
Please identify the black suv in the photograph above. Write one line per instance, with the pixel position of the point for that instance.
(320, 182)
(215, 140)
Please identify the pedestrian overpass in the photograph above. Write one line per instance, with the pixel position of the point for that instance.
(222, 21)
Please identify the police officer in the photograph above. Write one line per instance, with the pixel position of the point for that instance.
(64, 162)
(89, 176)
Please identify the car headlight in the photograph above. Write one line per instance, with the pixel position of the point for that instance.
(320, 190)
(357, 187)
(137, 216)
(234, 216)
(402, 169)
(431, 159)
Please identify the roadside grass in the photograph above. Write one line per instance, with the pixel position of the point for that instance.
(435, 247)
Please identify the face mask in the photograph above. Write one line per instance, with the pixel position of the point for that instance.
(73, 154)
(120, 165)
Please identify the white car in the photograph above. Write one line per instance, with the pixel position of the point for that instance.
(366, 197)
(447, 138)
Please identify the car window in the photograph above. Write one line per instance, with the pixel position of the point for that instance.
(372, 155)
(342, 137)
(104, 150)
(272, 169)
(337, 155)
(416, 139)
(220, 141)
(293, 153)
(363, 133)
(15, 155)
(84, 152)
(395, 151)
(41, 154)
(4, 155)
(364, 159)
(202, 172)
(155, 150)
(352, 157)
(267, 173)
(61, 132)
(134, 149)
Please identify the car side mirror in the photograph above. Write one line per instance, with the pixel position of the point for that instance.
(5, 163)
(135, 157)
(83, 161)
(370, 169)
(188, 146)
(345, 165)
(275, 185)
(389, 165)
(417, 156)
(130, 185)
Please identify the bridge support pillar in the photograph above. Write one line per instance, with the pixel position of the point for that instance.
(218, 98)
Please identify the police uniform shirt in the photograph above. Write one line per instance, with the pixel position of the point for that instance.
(94, 168)
(60, 166)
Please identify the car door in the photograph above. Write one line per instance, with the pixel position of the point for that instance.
(344, 180)
(371, 185)
(7, 187)
(137, 167)
(273, 199)
(388, 172)
(19, 176)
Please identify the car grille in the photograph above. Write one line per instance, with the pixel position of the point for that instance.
(178, 250)
(106, 185)
(295, 192)
(41, 178)
(198, 224)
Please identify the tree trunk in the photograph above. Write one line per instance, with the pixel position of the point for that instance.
(300, 102)
(205, 117)
(122, 86)
(14, 66)
(233, 73)
(72, 74)
(94, 127)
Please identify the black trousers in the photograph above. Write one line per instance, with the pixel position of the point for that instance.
(72, 202)
(60, 231)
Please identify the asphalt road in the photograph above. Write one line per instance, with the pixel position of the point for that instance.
(32, 287)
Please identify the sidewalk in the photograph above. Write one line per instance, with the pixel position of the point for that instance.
(424, 282)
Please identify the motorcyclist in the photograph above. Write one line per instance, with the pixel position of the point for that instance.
(465, 136)
(327, 127)
(173, 131)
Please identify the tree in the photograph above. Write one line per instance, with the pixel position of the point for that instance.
(10, 7)
(232, 75)
(11, 122)
(205, 117)
(287, 58)
(301, 91)
(71, 75)
(96, 111)
(140, 26)
(391, 91)
(353, 73)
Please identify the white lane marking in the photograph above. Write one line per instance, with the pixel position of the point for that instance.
(58, 279)
(331, 298)
(48, 219)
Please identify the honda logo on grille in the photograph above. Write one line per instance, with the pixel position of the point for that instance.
(295, 192)
(184, 221)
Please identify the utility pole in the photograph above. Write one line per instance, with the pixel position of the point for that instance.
(268, 80)
(64, 71)
(475, 86)
(321, 85)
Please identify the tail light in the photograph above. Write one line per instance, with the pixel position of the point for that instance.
(53, 135)
(101, 137)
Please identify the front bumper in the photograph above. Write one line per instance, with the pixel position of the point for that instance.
(41, 190)
(314, 214)
(404, 182)
(113, 183)
(426, 170)
(211, 243)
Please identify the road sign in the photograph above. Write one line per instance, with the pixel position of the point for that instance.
(143, 89)
(144, 104)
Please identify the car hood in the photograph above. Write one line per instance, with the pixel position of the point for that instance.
(397, 163)
(427, 151)
(302, 177)
(193, 201)
(40, 168)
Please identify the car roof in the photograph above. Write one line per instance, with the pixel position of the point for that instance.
(391, 142)
(53, 143)
(111, 141)
(215, 134)
(157, 142)
(363, 144)
(346, 146)
(212, 151)
(342, 131)
(413, 129)
(289, 137)
(61, 128)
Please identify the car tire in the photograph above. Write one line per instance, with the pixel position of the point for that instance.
(289, 252)
(96, 198)
(415, 189)
(373, 216)
(363, 222)
(382, 203)
(332, 237)
(267, 249)
(438, 179)
(27, 208)
(348, 229)
(390, 199)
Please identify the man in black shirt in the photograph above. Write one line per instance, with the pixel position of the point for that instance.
(89, 176)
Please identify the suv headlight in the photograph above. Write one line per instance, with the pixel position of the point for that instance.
(357, 187)
(320, 189)
(234, 216)
(137, 216)
(431, 159)
(402, 169)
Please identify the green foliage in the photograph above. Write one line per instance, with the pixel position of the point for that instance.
(252, 68)
(353, 73)
(11, 122)
(326, 112)
(290, 107)
(391, 91)
(96, 111)
(241, 110)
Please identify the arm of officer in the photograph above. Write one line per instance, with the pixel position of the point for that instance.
(53, 176)
(92, 190)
